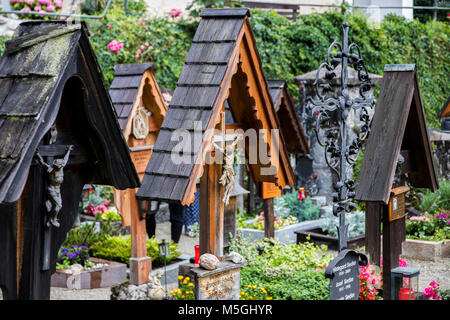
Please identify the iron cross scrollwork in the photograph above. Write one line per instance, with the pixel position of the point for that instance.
(341, 150)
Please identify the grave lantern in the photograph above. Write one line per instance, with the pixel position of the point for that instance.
(405, 283)
(301, 194)
(164, 251)
(86, 192)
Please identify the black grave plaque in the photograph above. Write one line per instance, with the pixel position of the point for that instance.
(343, 272)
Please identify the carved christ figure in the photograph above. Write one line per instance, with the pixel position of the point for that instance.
(227, 178)
(55, 177)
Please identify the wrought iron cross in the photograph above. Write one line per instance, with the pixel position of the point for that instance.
(341, 151)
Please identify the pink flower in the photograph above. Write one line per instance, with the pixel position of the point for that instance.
(143, 25)
(115, 46)
(175, 12)
(37, 8)
(109, 26)
(139, 51)
(150, 48)
(140, 21)
(50, 8)
(147, 44)
(58, 3)
(25, 9)
(136, 56)
(29, 2)
(142, 47)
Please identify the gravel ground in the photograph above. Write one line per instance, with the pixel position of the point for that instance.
(438, 271)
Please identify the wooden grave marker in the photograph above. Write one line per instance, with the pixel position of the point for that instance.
(222, 67)
(58, 132)
(397, 152)
(141, 109)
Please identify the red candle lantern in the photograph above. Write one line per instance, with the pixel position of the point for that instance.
(301, 194)
(197, 253)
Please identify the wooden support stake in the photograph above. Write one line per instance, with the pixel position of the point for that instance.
(140, 264)
(269, 230)
(373, 231)
(390, 251)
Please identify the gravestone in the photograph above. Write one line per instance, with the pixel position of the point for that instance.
(222, 283)
(343, 273)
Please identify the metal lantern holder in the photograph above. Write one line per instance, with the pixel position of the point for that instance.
(164, 252)
(340, 153)
(404, 283)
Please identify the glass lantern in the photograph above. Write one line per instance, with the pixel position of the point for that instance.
(404, 283)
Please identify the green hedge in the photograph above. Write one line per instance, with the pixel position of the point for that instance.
(287, 48)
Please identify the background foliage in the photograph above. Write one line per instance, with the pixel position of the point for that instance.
(287, 48)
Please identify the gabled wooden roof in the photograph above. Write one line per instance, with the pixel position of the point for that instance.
(34, 68)
(291, 128)
(222, 64)
(127, 90)
(398, 125)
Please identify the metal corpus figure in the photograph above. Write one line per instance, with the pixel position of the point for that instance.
(339, 152)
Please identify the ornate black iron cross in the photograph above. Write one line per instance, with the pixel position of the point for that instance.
(341, 150)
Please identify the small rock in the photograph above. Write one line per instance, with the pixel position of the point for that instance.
(235, 258)
(208, 261)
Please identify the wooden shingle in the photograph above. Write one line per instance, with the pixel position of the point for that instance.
(398, 125)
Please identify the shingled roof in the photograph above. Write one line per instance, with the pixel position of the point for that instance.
(34, 68)
(222, 49)
(292, 130)
(398, 126)
(124, 88)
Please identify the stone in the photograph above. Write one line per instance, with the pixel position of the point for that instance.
(208, 261)
(235, 258)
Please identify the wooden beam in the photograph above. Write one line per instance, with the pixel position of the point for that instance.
(211, 211)
(140, 264)
(269, 230)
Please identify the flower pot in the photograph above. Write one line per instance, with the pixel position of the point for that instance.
(426, 250)
(106, 276)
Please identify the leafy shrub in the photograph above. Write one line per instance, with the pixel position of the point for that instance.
(429, 227)
(432, 201)
(36, 5)
(283, 271)
(89, 233)
(73, 255)
(119, 249)
(356, 221)
(289, 205)
(278, 222)
(168, 41)
(3, 39)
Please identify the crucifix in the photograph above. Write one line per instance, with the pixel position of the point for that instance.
(340, 153)
(216, 185)
(53, 158)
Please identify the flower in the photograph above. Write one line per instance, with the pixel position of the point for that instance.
(50, 8)
(25, 9)
(147, 44)
(142, 47)
(58, 3)
(29, 2)
(37, 8)
(175, 12)
(109, 26)
(180, 277)
(113, 46)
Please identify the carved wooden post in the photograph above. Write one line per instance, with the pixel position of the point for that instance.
(140, 264)
(211, 210)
